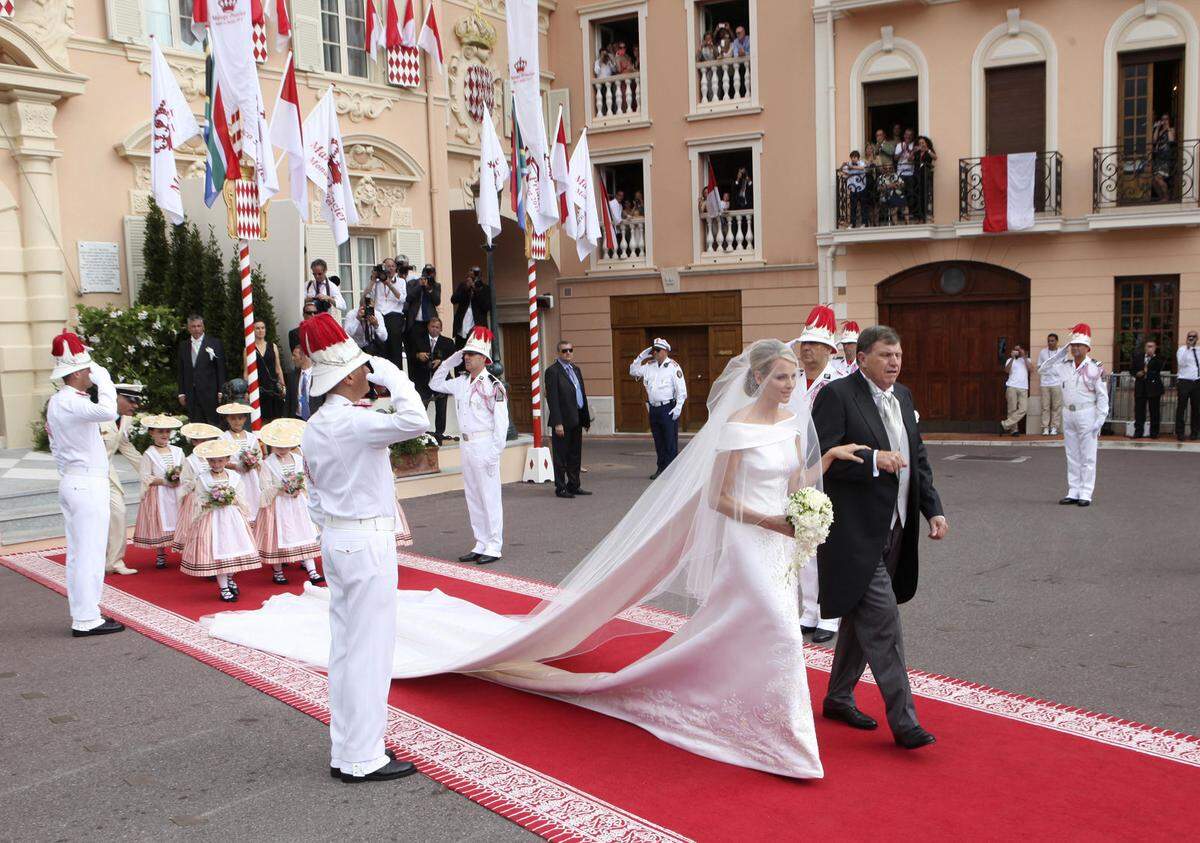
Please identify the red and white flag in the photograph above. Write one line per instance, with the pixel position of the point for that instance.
(430, 40)
(560, 170)
(325, 166)
(283, 25)
(712, 194)
(375, 33)
(610, 233)
(1008, 191)
(583, 223)
(408, 25)
(286, 134)
(172, 125)
(392, 36)
(199, 18)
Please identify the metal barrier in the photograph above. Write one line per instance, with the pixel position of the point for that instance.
(1120, 401)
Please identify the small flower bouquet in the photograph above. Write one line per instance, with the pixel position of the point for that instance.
(810, 512)
(220, 495)
(293, 484)
(172, 476)
(248, 459)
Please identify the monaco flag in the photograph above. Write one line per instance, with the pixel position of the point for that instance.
(1008, 191)
(408, 27)
(430, 40)
(283, 25)
(172, 124)
(560, 170)
(375, 33)
(325, 166)
(286, 134)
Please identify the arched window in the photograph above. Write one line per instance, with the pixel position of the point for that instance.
(889, 85)
(1014, 90)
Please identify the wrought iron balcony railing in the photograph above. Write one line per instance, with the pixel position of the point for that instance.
(1047, 186)
(875, 197)
(1139, 174)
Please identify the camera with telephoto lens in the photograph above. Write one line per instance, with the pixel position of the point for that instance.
(368, 307)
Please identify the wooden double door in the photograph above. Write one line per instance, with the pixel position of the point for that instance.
(957, 323)
(704, 330)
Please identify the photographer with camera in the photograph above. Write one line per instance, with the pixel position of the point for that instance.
(364, 326)
(423, 295)
(472, 302)
(324, 291)
(387, 293)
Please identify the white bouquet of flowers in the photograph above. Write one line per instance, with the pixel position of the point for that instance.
(810, 512)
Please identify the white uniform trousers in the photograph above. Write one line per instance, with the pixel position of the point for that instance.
(84, 502)
(481, 484)
(116, 526)
(360, 567)
(810, 614)
(1079, 437)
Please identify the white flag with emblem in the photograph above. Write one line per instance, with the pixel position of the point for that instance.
(583, 223)
(524, 72)
(173, 125)
(325, 166)
(493, 173)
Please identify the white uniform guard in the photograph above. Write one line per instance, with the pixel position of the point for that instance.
(848, 365)
(116, 441)
(482, 406)
(352, 498)
(73, 422)
(1085, 407)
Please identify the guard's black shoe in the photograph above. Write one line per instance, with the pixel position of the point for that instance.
(468, 557)
(580, 492)
(391, 770)
(849, 715)
(483, 559)
(807, 630)
(654, 476)
(1085, 503)
(1068, 501)
(335, 773)
(914, 738)
(107, 628)
(822, 635)
(563, 493)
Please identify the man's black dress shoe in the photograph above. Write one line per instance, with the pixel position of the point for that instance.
(915, 738)
(1068, 501)
(335, 773)
(1085, 503)
(580, 492)
(468, 557)
(807, 630)
(822, 635)
(391, 770)
(562, 493)
(483, 559)
(107, 628)
(654, 476)
(848, 715)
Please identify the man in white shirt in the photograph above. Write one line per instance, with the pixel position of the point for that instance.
(616, 206)
(73, 423)
(1085, 394)
(1187, 384)
(1016, 389)
(324, 291)
(666, 394)
(367, 329)
(116, 441)
(352, 498)
(387, 297)
(1051, 384)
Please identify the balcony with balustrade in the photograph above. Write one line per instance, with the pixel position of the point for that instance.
(1140, 176)
(615, 70)
(1047, 188)
(629, 249)
(617, 99)
(724, 84)
(728, 237)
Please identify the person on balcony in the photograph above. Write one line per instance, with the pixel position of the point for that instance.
(623, 60)
(923, 158)
(616, 207)
(855, 174)
(741, 42)
(1163, 145)
(743, 191)
(708, 49)
(605, 66)
(906, 168)
(892, 196)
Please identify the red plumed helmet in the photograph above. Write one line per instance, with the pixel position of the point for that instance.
(850, 332)
(1082, 328)
(321, 332)
(482, 333)
(480, 342)
(1081, 334)
(821, 326)
(66, 343)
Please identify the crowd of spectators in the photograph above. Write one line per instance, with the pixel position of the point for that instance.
(892, 182)
(615, 59)
(723, 41)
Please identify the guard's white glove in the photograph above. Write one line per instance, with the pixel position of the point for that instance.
(676, 412)
(387, 374)
(454, 359)
(99, 374)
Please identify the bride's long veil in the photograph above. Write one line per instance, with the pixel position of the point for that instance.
(670, 542)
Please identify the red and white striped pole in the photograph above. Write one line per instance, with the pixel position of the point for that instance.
(535, 369)
(248, 328)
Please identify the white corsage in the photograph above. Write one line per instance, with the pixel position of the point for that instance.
(212, 355)
(810, 512)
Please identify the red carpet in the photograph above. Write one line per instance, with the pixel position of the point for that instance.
(1004, 766)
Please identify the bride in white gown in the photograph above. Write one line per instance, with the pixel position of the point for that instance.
(730, 684)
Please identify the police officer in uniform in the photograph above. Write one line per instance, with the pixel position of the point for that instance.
(116, 441)
(73, 423)
(1085, 407)
(666, 392)
(482, 407)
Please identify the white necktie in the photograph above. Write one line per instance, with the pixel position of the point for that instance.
(895, 432)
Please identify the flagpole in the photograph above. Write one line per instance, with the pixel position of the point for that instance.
(248, 329)
(535, 371)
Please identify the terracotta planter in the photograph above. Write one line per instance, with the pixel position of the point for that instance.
(409, 465)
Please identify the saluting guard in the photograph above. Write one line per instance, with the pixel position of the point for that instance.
(666, 394)
(1085, 407)
(116, 441)
(482, 406)
(73, 424)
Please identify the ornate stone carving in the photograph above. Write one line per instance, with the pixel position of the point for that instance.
(362, 158)
(359, 106)
(35, 119)
(190, 76)
(139, 202)
(470, 185)
(50, 22)
(375, 201)
(476, 33)
(141, 176)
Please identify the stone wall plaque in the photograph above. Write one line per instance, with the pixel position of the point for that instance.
(99, 267)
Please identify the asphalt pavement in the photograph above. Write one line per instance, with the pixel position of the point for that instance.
(121, 737)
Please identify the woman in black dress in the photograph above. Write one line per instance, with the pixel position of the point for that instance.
(271, 385)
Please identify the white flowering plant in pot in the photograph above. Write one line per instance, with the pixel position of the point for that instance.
(137, 345)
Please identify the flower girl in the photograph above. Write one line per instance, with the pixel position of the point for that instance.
(159, 470)
(248, 457)
(195, 432)
(219, 542)
(284, 530)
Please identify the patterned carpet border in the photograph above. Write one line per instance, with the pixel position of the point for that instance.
(542, 804)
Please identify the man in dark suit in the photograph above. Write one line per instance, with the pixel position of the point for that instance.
(1146, 369)
(299, 386)
(422, 297)
(310, 310)
(200, 372)
(426, 351)
(868, 565)
(568, 416)
(472, 296)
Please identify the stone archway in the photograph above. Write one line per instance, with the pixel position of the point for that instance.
(955, 318)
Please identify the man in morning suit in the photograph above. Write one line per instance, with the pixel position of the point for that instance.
(427, 348)
(868, 565)
(1147, 368)
(200, 372)
(568, 416)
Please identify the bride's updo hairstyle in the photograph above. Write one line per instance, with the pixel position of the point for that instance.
(762, 356)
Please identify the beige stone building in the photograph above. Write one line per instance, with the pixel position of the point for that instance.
(771, 114)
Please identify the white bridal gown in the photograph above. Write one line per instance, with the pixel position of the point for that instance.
(730, 684)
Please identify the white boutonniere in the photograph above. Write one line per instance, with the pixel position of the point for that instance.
(212, 355)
